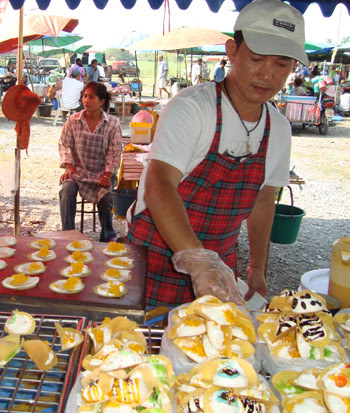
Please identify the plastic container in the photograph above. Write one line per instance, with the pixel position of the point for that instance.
(113, 84)
(322, 85)
(339, 280)
(45, 109)
(286, 222)
(329, 81)
(122, 200)
(140, 132)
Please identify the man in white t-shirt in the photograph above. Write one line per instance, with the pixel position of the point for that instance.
(163, 70)
(197, 72)
(71, 91)
(218, 155)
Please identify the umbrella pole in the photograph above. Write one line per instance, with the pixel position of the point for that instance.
(155, 73)
(18, 149)
(138, 77)
(186, 67)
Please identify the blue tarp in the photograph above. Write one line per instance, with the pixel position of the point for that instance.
(327, 6)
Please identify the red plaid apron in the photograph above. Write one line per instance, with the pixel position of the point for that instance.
(218, 194)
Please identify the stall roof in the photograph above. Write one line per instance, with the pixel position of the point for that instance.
(327, 6)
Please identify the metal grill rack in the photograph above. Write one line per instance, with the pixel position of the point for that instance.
(24, 388)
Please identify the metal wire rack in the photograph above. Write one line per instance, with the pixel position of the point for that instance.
(24, 388)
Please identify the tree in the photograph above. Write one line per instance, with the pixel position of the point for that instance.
(346, 39)
(118, 54)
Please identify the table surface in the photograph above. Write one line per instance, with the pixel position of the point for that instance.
(86, 299)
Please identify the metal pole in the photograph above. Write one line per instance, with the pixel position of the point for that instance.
(18, 149)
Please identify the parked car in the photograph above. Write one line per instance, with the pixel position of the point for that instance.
(125, 67)
(29, 62)
(46, 65)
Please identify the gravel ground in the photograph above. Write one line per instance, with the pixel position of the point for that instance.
(323, 162)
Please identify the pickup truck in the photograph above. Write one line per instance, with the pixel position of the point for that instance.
(125, 67)
(46, 65)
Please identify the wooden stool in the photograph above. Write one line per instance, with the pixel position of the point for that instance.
(82, 211)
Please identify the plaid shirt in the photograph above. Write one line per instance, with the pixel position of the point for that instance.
(91, 153)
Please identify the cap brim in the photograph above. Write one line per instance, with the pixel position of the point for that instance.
(269, 44)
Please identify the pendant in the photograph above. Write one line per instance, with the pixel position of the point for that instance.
(248, 147)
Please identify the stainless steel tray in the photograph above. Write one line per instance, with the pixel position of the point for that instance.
(24, 388)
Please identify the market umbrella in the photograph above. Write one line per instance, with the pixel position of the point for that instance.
(129, 40)
(63, 39)
(61, 50)
(35, 27)
(181, 38)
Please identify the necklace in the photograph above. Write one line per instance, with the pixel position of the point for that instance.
(247, 142)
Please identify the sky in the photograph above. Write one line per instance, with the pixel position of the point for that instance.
(105, 28)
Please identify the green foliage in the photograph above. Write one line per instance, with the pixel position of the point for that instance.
(118, 54)
(345, 39)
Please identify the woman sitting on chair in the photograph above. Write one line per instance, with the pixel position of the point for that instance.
(90, 148)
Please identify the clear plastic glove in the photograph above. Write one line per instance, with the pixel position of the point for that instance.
(209, 274)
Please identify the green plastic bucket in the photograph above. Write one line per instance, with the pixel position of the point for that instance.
(286, 223)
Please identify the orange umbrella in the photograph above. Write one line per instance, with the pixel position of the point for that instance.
(181, 38)
(35, 27)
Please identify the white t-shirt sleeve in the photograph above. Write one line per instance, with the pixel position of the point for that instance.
(278, 153)
(177, 119)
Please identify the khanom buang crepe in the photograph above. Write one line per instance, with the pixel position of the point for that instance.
(9, 346)
(69, 337)
(41, 353)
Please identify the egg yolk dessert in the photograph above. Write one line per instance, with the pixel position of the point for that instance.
(72, 283)
(111, 272)
(44, 243)
(115, 289)
(78, 256)
(77, 244)
(121, 263)
(116, 246)
(43, 252)
(18, 279)
(34, 266)
(77, 268)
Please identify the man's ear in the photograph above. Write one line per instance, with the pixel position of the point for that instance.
(231, 49)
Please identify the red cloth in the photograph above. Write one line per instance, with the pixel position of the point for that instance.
(218, 195)
(23, 130)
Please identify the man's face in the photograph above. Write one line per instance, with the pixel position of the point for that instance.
(94, 64)
(160, 58)
(257, 78)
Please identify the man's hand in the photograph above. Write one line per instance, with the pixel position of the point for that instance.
(256, 282)
(70, 170)
(105, 181)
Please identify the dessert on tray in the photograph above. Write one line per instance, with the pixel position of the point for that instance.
(41, 243)
(20, 282)
(7, 241)
(30, 268)
(71, 286)
(113, 274)
(76, 269)
(9, 346)
(41, 353)
(6, 252)
(111, 289)
(20, 323)
(44, 254)
(69, 337)
(82, 245)
(3, 264)
(120, 263)
(76, 256)
(116, 249)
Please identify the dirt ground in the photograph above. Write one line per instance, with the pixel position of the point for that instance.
(323, 161)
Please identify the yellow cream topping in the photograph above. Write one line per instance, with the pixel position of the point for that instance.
(77, 244)
(121, 263)
(78, 256)
(112, 272)
(71, 284)
(126, 391)
(44, 243)
(18, 279)
(115, 289)
(43, 252)
(77, 268)
(115, 246)
(34, 266)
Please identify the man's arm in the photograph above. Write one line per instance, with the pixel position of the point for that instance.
(259, 226)
(167, 208)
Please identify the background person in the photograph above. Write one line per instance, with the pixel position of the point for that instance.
(92, 72)
(163, 70)
(220, 165)
(89, 149)
(197, 72)
(298, 89)
(219, 72)
(71, 92)
(79, 66)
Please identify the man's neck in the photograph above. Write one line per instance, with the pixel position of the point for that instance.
(94, 116)
(248, 111)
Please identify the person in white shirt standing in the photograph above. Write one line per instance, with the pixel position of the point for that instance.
(197, 72)
(71, 91)
(163, 70)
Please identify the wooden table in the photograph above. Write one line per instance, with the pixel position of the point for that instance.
(86, 302)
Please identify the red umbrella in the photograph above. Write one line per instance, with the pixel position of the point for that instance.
(35, 27)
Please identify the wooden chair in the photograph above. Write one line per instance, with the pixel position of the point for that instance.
(81, 204)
